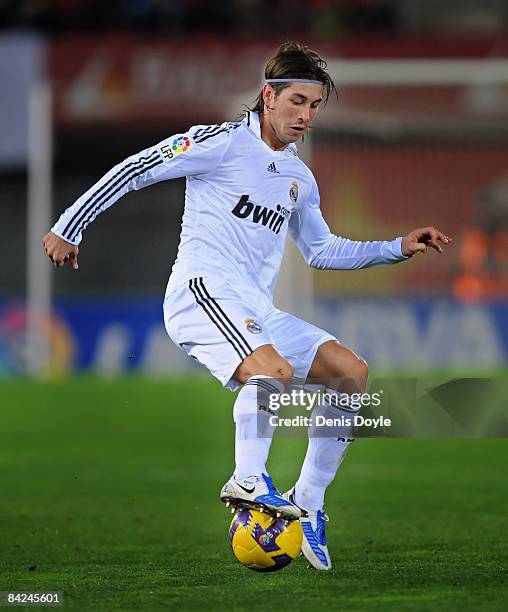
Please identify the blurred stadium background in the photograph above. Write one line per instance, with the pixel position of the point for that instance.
(418, 136)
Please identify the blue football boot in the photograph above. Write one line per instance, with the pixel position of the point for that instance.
(314, 546)
(259, 493)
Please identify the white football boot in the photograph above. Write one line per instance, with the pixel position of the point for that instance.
(313, 524)
(258, 492)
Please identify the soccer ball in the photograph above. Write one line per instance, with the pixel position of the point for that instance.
(263, 543)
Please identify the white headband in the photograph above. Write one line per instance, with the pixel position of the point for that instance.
(313, 82)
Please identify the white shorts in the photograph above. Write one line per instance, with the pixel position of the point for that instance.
(208, 319)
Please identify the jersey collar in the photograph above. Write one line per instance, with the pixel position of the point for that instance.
(253, 123)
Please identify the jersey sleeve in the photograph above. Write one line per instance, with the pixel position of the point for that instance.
(323, 250)
(197, 152)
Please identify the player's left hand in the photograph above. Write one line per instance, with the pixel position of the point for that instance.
(419, 239)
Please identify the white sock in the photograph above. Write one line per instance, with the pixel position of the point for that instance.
(324, 454)
(253, 430)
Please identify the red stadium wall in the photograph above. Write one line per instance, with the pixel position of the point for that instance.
(194, 79)
(370, 192)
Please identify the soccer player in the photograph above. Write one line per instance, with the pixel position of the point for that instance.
(246, 190)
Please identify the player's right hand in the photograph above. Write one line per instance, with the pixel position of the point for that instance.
(60, 251)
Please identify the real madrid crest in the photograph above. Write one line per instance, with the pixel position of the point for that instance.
(293, 192)
(252, 326)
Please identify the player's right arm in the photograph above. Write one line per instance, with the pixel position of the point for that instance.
(196, 152)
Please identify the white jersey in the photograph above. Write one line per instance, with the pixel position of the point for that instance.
(241, 200)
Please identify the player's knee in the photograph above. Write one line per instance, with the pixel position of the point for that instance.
(274, 368)
(361, 368)
(359, 373)
(285, 370)
(353, 376)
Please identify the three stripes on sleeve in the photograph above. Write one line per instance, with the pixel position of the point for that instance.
(104, 195)
(120, 180)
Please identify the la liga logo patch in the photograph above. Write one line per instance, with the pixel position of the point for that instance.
(265, 538)
(181, 144)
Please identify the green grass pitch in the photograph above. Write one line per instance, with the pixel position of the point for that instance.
(109, 493)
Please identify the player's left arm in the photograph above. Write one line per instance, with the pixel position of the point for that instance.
(326, 251)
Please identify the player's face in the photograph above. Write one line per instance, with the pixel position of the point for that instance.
(291, 113)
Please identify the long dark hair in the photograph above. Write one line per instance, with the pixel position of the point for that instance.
(294, 60)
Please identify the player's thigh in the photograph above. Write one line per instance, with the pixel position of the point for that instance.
(296, 340)
(342, 367)
(209, 321)
(266, 361)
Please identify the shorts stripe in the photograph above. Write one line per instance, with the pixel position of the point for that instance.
(234, 330)
(216, 320)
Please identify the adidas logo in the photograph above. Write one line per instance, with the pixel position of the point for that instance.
(271, 168)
